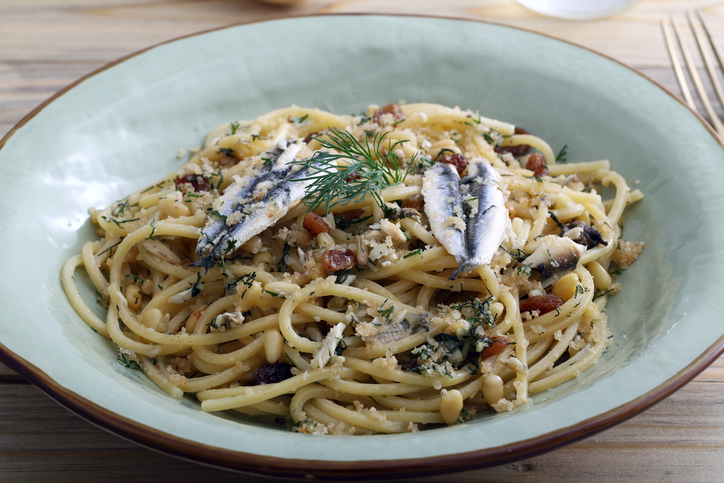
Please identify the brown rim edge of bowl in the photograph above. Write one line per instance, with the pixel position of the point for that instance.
(322, 469)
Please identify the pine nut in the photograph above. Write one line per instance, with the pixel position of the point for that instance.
(601, 278)
(173, 208)
(325, 240)
(451, 403)
(263, 258)
(562, 200)
(152, 318)
(273, 345)
(565, 287)
(492, 389)
(133, 296)
(253, 245)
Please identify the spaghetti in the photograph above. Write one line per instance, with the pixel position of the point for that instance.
(413, 265)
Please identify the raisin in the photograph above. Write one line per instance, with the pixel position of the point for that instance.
(309, 137)
(497, 346)
(198, 182)
(416, 202)
(351, 215)
(517, 150)
(353, 175)
(458, 160)
(542, 303)
(393, 109)
(411, 365)
(315, 224)
(272, 373)
(537, 164)
(336, 259)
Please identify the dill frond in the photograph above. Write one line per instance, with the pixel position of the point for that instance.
(349, 170)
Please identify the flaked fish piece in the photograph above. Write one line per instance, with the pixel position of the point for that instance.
(485, 215)
(411, 324)
(237, 192)
(252, 204)
(329, 346)
(553, 258)
(444, 209)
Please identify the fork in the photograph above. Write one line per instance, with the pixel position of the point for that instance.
(704, 44)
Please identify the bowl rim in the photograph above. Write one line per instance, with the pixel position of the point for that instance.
(292, 467)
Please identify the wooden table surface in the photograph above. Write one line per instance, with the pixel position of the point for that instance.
(47, 44)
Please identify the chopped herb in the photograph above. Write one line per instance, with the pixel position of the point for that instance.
(153, 230)
(218, 215)
(605, 292)
(248, 280)
(386, 313)
(518, 254)
(285, 252)
(562, 156)
(442, 152)
(341, 275)
(197, 286)
(119, 222)
(215, 325)
(363, 118)
(341, 346)
(412, 253)
(119, 208)
(298, 120)
(555, 218)
(101, 299)
(109, 248)
(221, 178)
(134, 278)
(524, 269)
(125, 361)
(332, 183)
(227, 152)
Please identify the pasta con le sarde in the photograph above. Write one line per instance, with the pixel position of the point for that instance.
(412, 265)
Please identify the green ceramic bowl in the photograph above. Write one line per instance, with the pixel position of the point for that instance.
(120, 128)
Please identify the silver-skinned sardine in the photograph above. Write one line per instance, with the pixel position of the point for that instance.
(485, 215)
(555, 257)
(444, 209)
(252, 204)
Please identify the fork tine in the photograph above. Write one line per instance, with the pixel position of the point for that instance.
(706, 57)
(718, 126)
(666, 29)
(713, 44)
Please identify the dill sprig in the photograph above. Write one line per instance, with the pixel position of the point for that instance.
(350, 170)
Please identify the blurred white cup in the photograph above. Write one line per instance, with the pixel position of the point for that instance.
(577, 9)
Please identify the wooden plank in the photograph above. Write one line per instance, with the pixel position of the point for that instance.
(24, 86)
(75, 30)
(40, 438)
(47, 45)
